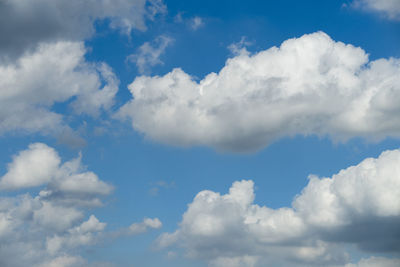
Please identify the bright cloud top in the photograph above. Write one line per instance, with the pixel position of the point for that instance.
(309, 85)
(54, 73)
(388, 8)
(48, 229)
(360, 205)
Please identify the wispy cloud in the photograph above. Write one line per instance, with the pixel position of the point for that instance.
(148, 55)
(389, 9)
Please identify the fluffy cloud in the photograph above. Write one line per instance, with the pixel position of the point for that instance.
(52, 74)
(309, 85)
(142, 227)
(359, 206)
(40, 164)
(31, 167)
(149, 54)
(43, 65)
(389, 8)
(47, 229)
(25, 23)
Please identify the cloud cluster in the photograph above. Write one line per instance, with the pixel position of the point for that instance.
(43, 66)
(25, 23)
(48, 229)
(359, 206)
(52, 74)
(388, 8)
(309, 85)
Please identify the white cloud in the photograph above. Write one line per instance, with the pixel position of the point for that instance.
(40, 164)
(376, 262)
(43, 64)
(245, 261)
(309, 85)
(54, 73)
(25, 23)
(142, 227)
(149, 54)
(32, 167)
(64, 261)
(359, 206)
(388, 8)
(48, 229)
(196, 23)
(239, 47)
(160, 185)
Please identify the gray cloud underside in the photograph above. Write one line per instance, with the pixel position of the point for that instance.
(26, 23)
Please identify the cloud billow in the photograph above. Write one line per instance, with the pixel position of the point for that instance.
(53, 73)
(358, 206)
(49, 228)
(310, 85)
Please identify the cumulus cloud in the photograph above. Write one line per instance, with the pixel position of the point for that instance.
(32, 167)
(69, 182)
(43, 65)
(53, 74)
(309, 85)
(148, 223)
(49, 228)
(25, 23)
(359, 206)
(388, 8)
(149, 53)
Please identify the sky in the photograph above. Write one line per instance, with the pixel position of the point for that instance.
(199, 133)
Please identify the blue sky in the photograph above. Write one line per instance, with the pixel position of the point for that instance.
(199, 133)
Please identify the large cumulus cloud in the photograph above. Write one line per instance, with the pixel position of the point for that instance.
(359, 206)
(309, 85)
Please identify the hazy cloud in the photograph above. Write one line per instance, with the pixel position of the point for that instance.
(390, 9)
(196, 23)
(148, 54)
